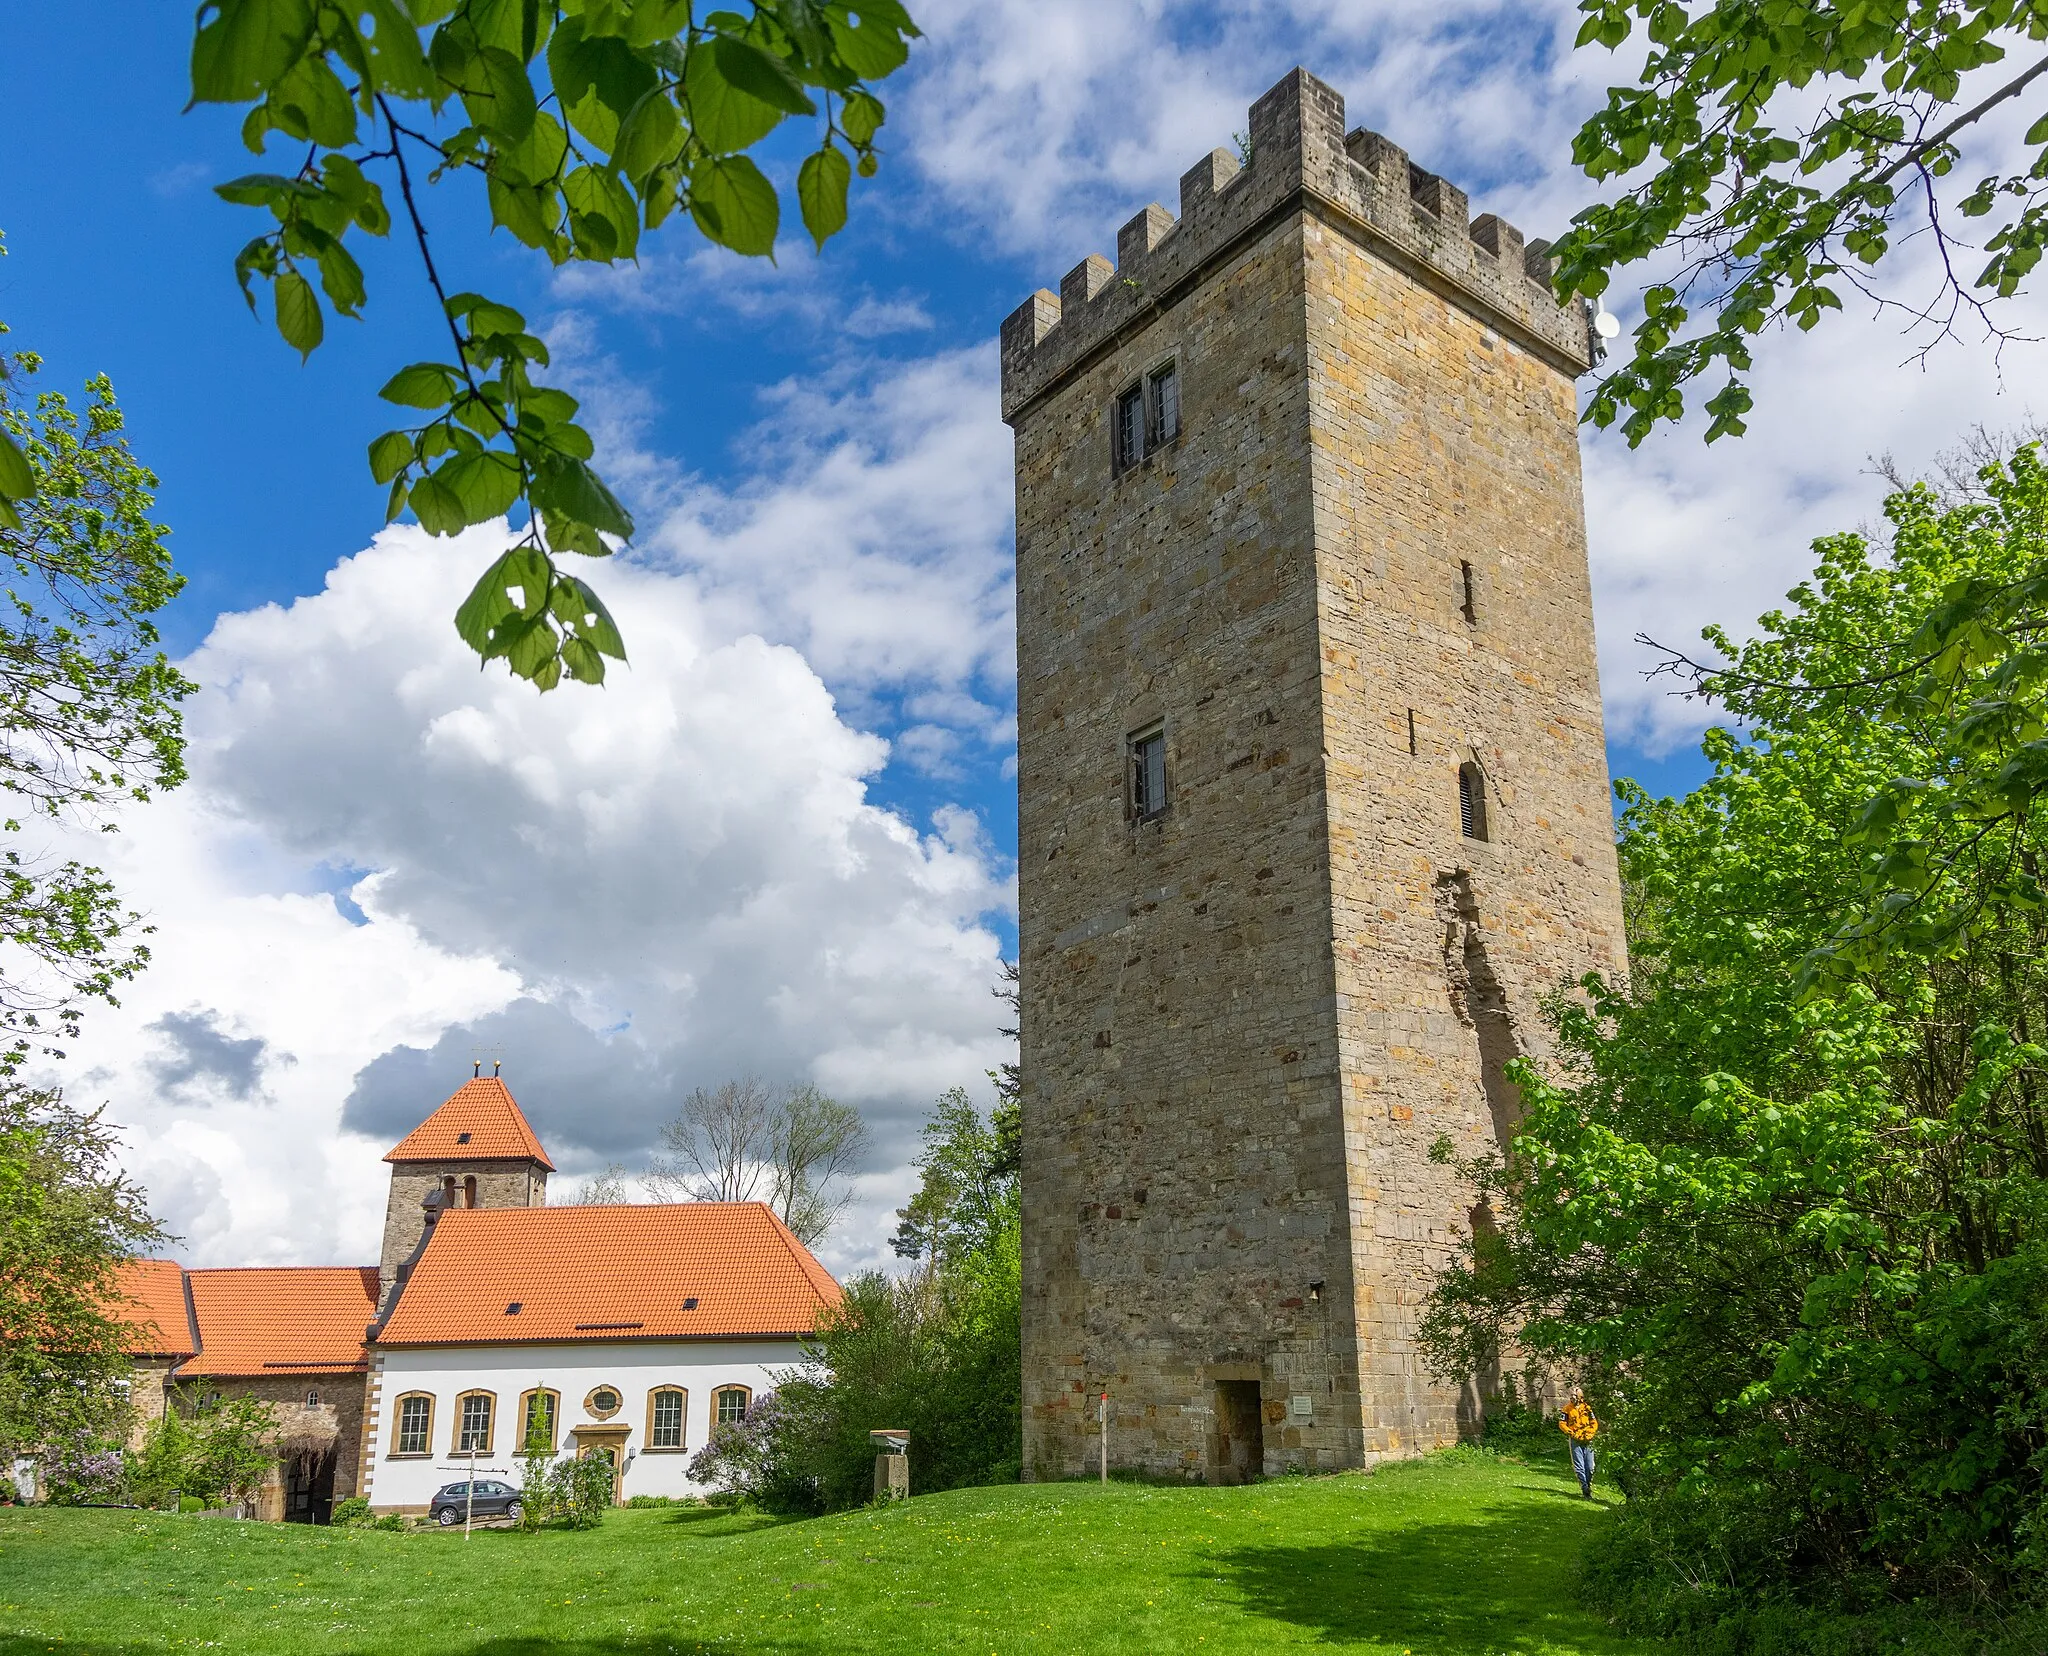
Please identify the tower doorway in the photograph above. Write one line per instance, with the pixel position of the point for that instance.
(1239, 1453)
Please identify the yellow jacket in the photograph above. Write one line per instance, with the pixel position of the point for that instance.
(1578, 1424)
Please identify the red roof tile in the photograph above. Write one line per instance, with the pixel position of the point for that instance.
(281, 1319)
(617, 1273)
(480, 1122)
(153, 1305)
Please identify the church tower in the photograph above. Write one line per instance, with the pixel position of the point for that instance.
(476, 1150)
(1313, 795)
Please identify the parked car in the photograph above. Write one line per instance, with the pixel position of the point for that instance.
(492, 1500)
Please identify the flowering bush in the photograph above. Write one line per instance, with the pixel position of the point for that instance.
(80, 1470)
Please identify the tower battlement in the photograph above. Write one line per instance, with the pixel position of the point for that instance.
(1300, 155)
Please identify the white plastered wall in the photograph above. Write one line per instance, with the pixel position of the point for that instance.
(632, 1368)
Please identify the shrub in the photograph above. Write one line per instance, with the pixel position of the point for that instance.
(231, 1450)
(80, 1470)
(157, 1471)
(353, 1512)
(583, 1491)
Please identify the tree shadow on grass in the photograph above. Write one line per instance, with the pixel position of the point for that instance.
(1497, 1586)
(714, 1523)
(679, 1643)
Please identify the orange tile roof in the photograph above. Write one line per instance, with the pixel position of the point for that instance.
(281, 1320)
(153, 1304)
(610, 1273)
(479, 1122)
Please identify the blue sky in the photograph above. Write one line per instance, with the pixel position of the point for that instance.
(784, 840)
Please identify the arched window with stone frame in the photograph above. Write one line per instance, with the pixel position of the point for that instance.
(544, 1406)
(668, 1412)
(475, 1418)
(729, 1404)
(414, 1432)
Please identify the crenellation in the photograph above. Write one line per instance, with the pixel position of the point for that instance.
(1205, 180)
(1141, 235)
(1299, 156)
(1084, 282)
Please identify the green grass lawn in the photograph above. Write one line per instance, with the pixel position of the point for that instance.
(1464, 1554)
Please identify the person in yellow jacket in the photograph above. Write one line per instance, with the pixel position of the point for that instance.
(1581, 1427)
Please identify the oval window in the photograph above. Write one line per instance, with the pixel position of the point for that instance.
(604, 1398)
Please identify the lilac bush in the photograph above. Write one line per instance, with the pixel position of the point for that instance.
(81, 1470)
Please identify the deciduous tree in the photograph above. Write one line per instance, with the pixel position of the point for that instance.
(68, 1218)
(1784, 1200)
(89, 706)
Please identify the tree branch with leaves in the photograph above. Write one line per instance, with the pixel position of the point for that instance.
(587, 122)
(1784, 153)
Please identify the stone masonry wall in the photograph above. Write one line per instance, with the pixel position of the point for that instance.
(341, 1407)
(1439, 443)
(1183, 1175)
(1245, 1022)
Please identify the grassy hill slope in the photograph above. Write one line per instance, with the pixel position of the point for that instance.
(1465, 1554)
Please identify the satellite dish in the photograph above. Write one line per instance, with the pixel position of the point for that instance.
(1607, 325)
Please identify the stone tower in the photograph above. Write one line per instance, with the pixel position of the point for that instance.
(1313, 793)
(477, 1150)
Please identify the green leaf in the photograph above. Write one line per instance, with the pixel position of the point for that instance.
(651, 135)
(525, 210)
(486, 484)
(396, 63)
(421, 385)
(396, 503)
(821, 192)
(566, 535)
(298, 313)
(537, 157)
(860, 118)
(437, 507)
(598, 80)
(310, 103)
(257, 189)
(724, 118)
(246, 46)
(870, 36)
(513, 590)
(735, 205)
(602, 216)
(570, 489)
(484, 316)
(341, 279)
(504, 106)
(579, 608)
(761, 75)
(390, 454)
(17, 476)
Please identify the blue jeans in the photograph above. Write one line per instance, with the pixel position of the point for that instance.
(1582, 1464)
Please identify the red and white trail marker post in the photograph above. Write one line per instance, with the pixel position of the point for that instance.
(1102, 1421)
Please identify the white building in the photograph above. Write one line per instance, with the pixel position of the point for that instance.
(622, 1331)
(626, 1332)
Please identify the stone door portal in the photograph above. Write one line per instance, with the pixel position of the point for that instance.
(1240, 1450)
